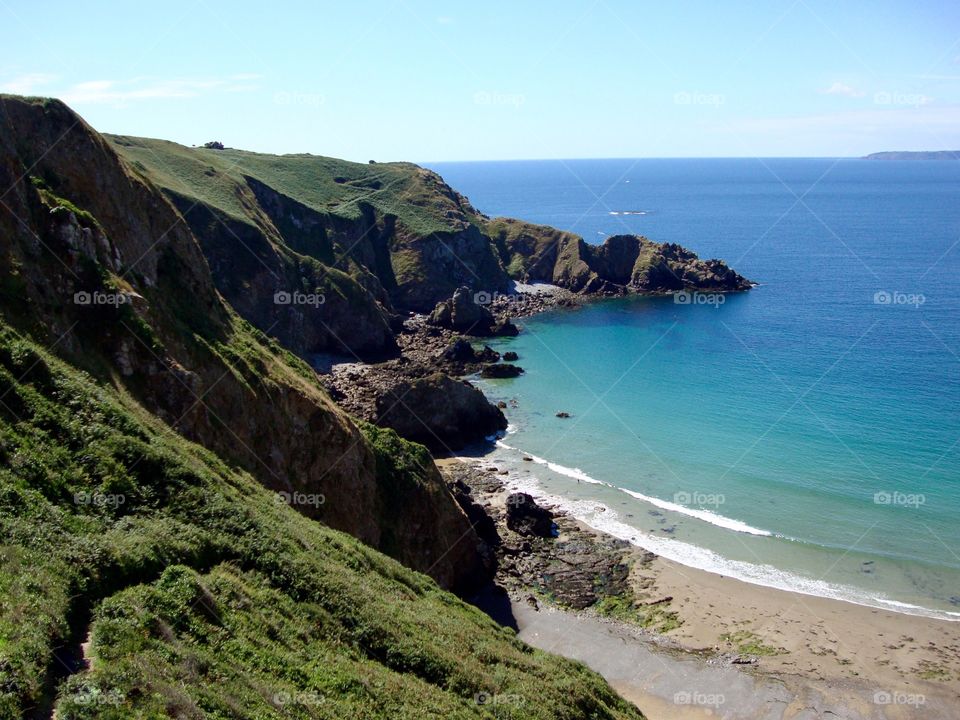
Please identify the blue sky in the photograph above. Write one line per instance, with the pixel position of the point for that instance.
(429, 81)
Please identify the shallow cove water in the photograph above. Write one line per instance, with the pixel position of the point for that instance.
(803, 435)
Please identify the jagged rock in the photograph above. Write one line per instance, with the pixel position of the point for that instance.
(487, 355)
(460, 351)
(563, 415)
(463, 313)
(510, 356)
(527, 518)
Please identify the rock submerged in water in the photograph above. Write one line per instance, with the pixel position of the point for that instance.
(510, 356)
(563, 415)
(501, 370)
(527, 518)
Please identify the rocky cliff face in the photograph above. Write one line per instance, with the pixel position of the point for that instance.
(623, 263)
(100, 267)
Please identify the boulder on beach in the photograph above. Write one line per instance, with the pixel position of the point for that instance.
(527, 518)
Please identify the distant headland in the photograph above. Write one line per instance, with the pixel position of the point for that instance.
(915, 155)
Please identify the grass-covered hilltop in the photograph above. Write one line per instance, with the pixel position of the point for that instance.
(190, 525)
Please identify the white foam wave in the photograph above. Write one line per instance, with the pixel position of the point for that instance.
(601, 517)
(704, 515)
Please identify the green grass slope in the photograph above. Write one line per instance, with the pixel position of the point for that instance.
(397, 229)
(416, 196)
(204, 597)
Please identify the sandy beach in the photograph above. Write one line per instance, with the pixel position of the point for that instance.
(743, 651)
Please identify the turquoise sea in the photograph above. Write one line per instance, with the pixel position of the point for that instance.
(803, 435)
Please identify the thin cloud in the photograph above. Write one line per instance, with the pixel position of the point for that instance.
(844, 90)
(121, 92)
(27, 84)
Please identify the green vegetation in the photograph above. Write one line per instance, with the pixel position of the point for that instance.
(204, 597)
(932, 671)
(625, 608)
(749, 643)
(59, 204)
(326, 185)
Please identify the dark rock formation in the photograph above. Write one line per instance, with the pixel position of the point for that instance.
(527, 518)
(465, 313)
(546, 552)
(462, 352)
(442, 413)
(622, 264)
(500, 370)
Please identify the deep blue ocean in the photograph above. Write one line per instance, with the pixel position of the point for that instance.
(805, 434)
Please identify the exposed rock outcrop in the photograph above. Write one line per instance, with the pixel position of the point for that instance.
(442, 413)
(465, 313)
(622, 264)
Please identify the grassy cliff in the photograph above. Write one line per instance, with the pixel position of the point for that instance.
(99, 266)
(142, 576)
